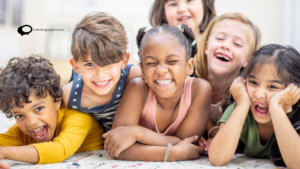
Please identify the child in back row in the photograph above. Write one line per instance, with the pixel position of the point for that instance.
(224, 51)
(265, 113)
(101, 74)
(167, 107)
(44, 133)
(196, 14)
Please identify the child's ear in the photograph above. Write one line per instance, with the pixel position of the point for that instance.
(125, 60)
(246, 62)
(141, 66)
(190, 66)
(75, 66)
(205, 48)
(57, 104)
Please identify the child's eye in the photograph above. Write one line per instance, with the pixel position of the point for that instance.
(236, 44)
(18, 116)
(252, 82)
(189, 0)
(39, 109)
(173, 4)
(89, 64)
(219, 38)
(272, 87)
(172, 61)
(150, 64)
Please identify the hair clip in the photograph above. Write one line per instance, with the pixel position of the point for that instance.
(180, 28)
(194, 43)
(147, 29)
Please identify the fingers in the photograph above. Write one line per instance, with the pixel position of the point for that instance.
(4, 166)
(191, 139)
(202, 142)
(105, 134)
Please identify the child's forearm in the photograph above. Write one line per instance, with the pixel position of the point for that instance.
(26, 154)
(224, 144)
(287, 138)
(149, 137)
(139, 152)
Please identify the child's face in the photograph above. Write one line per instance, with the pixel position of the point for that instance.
(189, 12)
(99, 80)
(164, 65)
(261, 87)
(227, 47)
(38, 119)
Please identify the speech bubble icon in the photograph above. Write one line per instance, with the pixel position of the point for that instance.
(21, 32)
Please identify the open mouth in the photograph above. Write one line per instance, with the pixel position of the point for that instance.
(164, 82)
(184, 19)
(260, 108)
(223, 58)
(40, 133)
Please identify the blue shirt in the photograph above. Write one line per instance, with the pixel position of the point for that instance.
(103, 113)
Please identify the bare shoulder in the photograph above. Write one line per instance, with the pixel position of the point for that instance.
(137, 84)
(135, 71)
(202, 87)
(66, 93)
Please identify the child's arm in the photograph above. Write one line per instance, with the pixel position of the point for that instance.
(224, 144)
(13, 146)
(74, 130)
(287, 138)
(134, 72)
(196, 119)
(66, 93)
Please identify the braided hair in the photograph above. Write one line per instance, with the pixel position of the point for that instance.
(182, 33)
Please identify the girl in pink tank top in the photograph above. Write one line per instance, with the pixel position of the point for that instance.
(165, 106)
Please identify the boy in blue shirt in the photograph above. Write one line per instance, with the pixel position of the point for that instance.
(101, 72)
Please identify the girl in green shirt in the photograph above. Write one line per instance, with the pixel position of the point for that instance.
(265, 104)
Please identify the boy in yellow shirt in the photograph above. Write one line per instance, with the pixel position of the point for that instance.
(44, 133)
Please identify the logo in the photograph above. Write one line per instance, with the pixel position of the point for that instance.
(21, 32)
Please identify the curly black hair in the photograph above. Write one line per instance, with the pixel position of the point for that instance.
(22, 76)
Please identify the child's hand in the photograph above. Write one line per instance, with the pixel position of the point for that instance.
(286, 98)
(119, 139)
(239, 93)
(2, 165)
(205, 143)
(185, 150)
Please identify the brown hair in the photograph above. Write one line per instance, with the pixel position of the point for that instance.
(201, 58)
(157, 14)
(22, 76)
(101, 36)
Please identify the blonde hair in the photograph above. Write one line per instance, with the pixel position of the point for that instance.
(201, 58)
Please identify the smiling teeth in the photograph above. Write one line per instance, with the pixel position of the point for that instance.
(102, 83)
(164, 81)
(259, 105)
(220, 56)
(39, 128)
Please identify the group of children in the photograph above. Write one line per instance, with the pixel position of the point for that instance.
(204, 84)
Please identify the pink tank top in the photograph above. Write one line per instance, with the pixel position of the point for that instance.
(148, 116)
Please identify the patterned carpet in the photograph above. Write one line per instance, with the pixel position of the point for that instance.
(100, 159)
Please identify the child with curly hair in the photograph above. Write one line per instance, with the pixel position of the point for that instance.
(30, 92)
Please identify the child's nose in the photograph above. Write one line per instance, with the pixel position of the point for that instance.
(161, 70)
(31, 122)
(181, 7)
(226, 45)
(260, 94)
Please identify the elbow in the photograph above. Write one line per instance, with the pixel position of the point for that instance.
(217, 160)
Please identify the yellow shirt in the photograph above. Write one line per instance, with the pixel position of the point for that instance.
(75, 132)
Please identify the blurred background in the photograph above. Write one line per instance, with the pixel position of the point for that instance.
(278, 20)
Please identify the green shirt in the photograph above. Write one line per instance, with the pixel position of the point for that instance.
(249, 135)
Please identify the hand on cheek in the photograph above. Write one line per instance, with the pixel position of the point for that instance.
(286, 98)
(239, 93)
